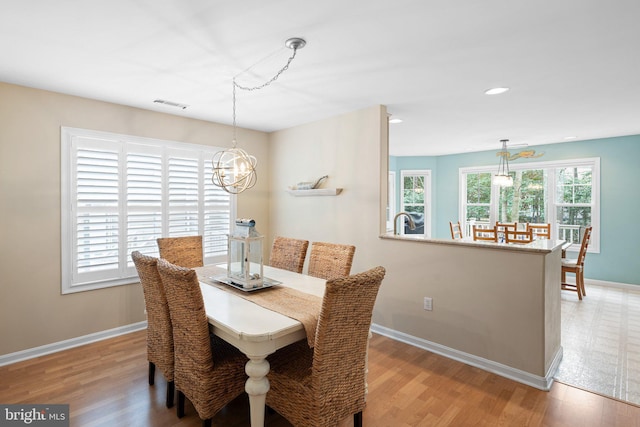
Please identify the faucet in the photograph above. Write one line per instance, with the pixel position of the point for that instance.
(412, 225)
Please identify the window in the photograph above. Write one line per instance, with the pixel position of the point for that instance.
(416, 200)
(525, 200)
(120, 193)
(574, 201)
(562, 193)
(478, 200)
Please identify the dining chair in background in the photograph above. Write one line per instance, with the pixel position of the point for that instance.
(330, 260)
(208, 371)
(288, 254)
(159, 331)
(321, 386)
(518, 236)
(456, 230)
(183, 251)
(485, 234)
(576, 266)
(540, 230)
(503, 227)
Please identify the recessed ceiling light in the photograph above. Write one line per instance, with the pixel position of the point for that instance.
(395, 120)
(496, 90)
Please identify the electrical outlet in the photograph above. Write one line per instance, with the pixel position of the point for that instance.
(428, 304)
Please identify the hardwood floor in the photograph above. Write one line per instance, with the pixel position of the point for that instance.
(105, 384)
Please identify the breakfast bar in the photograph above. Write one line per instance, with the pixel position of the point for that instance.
(503, 299)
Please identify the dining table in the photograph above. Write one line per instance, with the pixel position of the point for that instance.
(256, 329)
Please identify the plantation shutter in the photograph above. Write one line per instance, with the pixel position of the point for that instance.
(144, 203)
(121, 193)
(96, 231)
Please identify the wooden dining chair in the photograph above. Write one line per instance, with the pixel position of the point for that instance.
(330, 260)
(576, 267)
(183, 251)
(518, 236)
(321, 386)
(503, 227)
(456, 230)
(540, 230)
(208, 371)
(159, 330)
(485, 234)
(288, 254)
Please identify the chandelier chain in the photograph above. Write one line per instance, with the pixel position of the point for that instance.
(271, 80)
(262, 86)
(234, 170)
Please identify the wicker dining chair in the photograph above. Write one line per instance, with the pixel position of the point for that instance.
(159, 330)
(183, 251)
(321, 386)
(208, 371)
(330, 260)
(288, 254)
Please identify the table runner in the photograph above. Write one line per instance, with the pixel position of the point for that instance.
(292, 303)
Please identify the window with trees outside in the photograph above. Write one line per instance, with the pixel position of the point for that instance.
(562, 193)
(416, 200)
(120, 193)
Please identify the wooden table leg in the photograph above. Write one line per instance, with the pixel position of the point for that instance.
(257, 387)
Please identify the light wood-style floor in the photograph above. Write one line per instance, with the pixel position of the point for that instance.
(105, 384)
(601, 342)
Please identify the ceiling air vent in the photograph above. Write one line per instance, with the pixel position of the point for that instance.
(170, 103)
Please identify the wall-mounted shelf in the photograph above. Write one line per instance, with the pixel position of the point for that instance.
(316, 192)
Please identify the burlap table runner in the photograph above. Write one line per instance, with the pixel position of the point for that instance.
(292, 303)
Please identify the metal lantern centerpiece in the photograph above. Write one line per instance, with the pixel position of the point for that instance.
(244, 263)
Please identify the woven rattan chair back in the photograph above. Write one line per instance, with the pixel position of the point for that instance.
(209, 377)
(288, 254)
(330, 260)
(159, 330)
(330, 386)
(183, 251)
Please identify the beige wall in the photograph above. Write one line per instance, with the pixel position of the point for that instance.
(351, 148)
(347, 149)
(32, 310)
(482, 306)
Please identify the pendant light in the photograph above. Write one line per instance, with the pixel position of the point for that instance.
(503, 178)
(234, 170)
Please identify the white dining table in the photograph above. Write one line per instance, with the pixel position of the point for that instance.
(257, 331)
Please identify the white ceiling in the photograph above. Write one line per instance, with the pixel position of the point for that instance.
(573, 66)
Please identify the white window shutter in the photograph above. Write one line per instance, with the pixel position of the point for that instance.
(144, 203)
(120, 193)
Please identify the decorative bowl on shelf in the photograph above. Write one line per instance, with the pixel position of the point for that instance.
(308, 185)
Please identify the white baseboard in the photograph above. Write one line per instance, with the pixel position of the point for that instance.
(604, 283)
(31, 353)
(542, 383)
